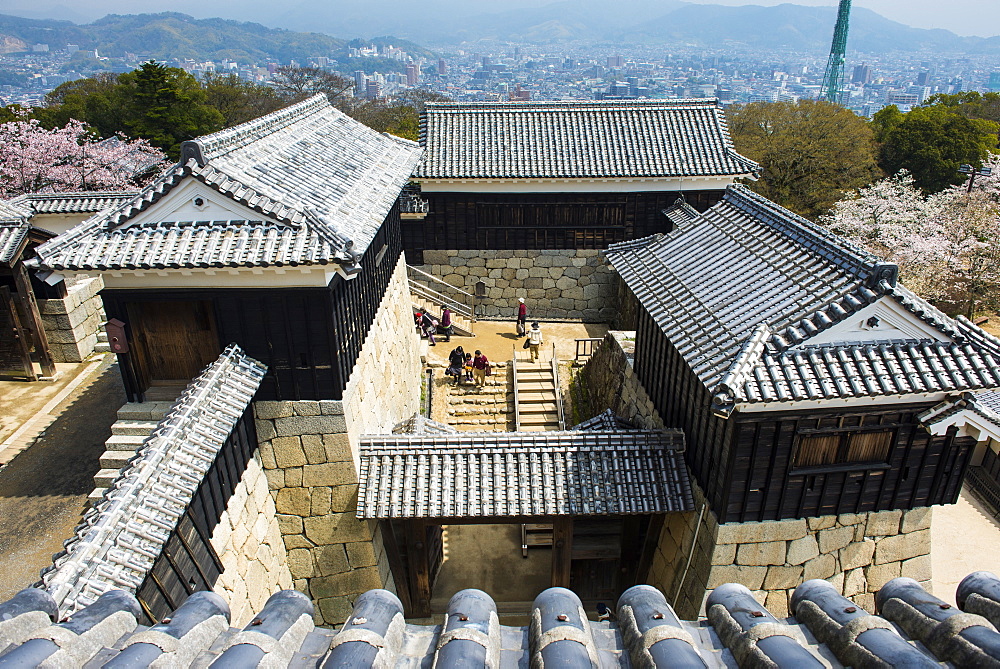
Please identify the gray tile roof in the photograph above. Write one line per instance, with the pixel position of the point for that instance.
(122, 535)
(913, 629)
(522, 474)
(322, 182)
(578, 140)
(605, 421)
(741, 289)
(14, 229)
(73, 203)
(418, 424)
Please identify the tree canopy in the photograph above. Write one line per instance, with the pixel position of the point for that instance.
(810, 152)
(931, 142)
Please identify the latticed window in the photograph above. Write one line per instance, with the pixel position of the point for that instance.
(841, 448)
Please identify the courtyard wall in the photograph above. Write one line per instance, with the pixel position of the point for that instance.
(73, 322)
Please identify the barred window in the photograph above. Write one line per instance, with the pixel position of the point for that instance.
(840, 448)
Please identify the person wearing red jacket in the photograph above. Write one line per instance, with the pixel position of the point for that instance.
(522, 316)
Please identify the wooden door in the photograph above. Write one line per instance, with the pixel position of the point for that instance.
(15, 355)
(176, 339)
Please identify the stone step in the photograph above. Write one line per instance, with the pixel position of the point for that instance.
(540, 419)
(536, 396)
(534, 386)
(144, 411)
(96, 494)
(115, 459)
(545, 427)
(102, 347)
(105, 477)
(133, 427)
(124, 442)
(102, 335)
(537, 407)
(535, 375)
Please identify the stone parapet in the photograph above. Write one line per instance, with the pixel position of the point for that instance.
(556, 283)
(72, 323)
(249, 545)
(857, 553)
(611, 382)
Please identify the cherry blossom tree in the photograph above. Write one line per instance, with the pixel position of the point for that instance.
(947, 244)
(34, 159)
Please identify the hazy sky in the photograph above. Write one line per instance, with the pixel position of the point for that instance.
(965, 17)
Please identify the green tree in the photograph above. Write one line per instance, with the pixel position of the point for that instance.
(166, 106)
(297, 83)
(931, 142)
(96, 100)
(238, 100)
(810, 152)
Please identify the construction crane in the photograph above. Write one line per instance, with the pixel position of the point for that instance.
(833, 79)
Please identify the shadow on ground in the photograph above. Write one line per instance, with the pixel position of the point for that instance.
(43, 491)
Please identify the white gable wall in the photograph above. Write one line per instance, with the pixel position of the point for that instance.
(895, 323)
(179, 205)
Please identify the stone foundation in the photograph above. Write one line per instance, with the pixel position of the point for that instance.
(72, 323)
(611, 382)
(309, 451)
(857, 553)
(248, 542)
(555, 283)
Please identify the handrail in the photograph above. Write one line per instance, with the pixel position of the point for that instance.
(582, 346)
(440, 298)
(517, 407)
(434, 278)
(555, 379)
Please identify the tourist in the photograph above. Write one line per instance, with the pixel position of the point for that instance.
(480, 368)
(522, 316)
(428, 326)
(534, 340)
(468, 367)
(446, 328)
(456, 361)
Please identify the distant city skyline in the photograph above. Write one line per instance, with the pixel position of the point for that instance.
(964, 17)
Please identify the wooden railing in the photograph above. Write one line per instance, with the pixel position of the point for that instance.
(555, 380)
(517, 407)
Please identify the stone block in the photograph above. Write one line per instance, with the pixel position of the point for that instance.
(865, 600)
(331, 560)
(297, 541)
(751, 577)
(288, 452)
(835, 538)
(724, 554)
(300, 563)
(265, 431)
(275, 478)
(918, 568)
(320, 498)
(347, 583)
(294, 501)
(852, 518)
(916, 519)
(854, 582)
(883, 523)
(344, 498)
(329, 474)
(299, 425)
(802, 549)
(333, 611)
(305, 408)
(777, 603)
(858, 554)
(770, 530)
(336, 528)
(768, 553)
(782, 577)
(361, 554)
(878, 575)
(269, 410)
(312, 446)
(902, 546)
(822, 566)
(338, 448)
(837, 581)
(821, 523)
(289, 524)
(331, 407)
(293, 477)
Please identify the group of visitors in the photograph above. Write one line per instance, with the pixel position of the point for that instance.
(464, 366)
(534, 340)
(430, 326)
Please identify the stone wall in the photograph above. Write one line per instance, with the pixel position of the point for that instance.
(555, 283)
(72, 323)
(611, 382)
(857, 553)
(309, 451)
(248, 542)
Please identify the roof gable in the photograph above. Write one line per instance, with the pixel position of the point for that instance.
(578, 140)
(193, 200)
(885, 320)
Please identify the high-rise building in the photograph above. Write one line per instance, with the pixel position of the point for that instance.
(359, 83)
(442, 67)
(924, 78)
(372, 91)
(616, 61)
(412, 74)
(862, 74)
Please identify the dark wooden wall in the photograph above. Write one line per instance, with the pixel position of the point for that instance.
(745, 464)
(309, 338)
(504, 221)
(188, 563)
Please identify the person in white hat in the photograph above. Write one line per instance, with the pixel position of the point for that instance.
(522, 316)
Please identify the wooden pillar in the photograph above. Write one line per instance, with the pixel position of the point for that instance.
(562, 550)
(17, 332)
(34, 324)
(420, 570)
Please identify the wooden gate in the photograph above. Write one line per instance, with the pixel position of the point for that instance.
(15, 351)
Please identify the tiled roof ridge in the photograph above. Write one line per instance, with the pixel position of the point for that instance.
(542, 105)
(812, 236)
(752, 166)
(230, 139)
(725, 393)
(565, 441)
(823, 318)
(10, 210)
(68, 195)
(631, 244)
(121, 536)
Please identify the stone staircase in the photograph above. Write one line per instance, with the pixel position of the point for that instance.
(537, 396)
(102, 342)
(136, 421)
(461, 325)
(481, 409)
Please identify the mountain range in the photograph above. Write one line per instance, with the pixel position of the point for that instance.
(449, 22)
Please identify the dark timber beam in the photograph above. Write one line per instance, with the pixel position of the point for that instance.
(562, 550)
(34, 324)
(420, 570)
